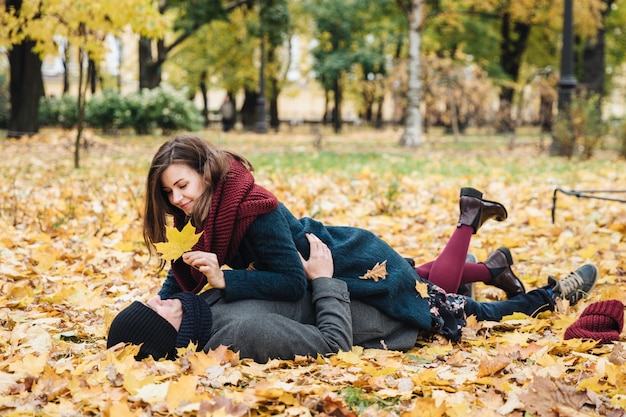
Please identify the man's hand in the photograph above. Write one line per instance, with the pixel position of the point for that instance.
(320, 262)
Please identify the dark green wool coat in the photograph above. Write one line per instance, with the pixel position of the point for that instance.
(267, 266)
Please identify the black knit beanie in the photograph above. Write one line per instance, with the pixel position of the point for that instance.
(139, 324)
(197, 321)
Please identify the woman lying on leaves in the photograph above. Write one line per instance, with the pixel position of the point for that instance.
(245, 227)
(323, 321)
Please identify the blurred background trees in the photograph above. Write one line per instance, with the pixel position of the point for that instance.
(414, 64)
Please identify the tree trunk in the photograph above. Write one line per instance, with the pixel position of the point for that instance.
(378, 124)
(66, 67)
(505, 123)
(26, 89)
(92, 76)
(274, 120)
(593, 65)
(205, 98)
(82, 93)
(546, 109)
(593, 62)
(513, 40)
(337, 110)
(248, 110)
(149, 67)
(412, 135)
(120, 51)
(273, 82)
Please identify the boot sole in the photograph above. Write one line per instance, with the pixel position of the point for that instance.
(471, 192)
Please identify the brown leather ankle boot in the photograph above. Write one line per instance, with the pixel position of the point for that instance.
(499, 265)
(475, 211)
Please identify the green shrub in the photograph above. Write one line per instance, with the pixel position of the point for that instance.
(581, 128)
(162, 108)
(175, 111)
(108, 111)
(142, 111)
(59, 111)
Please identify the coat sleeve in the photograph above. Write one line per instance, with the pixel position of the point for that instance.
(170, 286)
(269, 265)
(268, 335)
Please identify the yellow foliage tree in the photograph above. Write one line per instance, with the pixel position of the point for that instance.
(83, 23)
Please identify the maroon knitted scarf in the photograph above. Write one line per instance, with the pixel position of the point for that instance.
(236, 203)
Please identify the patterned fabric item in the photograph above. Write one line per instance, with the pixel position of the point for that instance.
(448, 312)
(236, 203)
(602, 320)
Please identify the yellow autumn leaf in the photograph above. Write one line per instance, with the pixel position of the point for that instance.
(183, 390)
(32, 364)
(422, 289)
(178, 242)
(545, 360)
(589, 252)
(593, 383)
(121, 409)
(491, 365)
(378, 272)
(353, 357)
(425, 407)
(201, 362)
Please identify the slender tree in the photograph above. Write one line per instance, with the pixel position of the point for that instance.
(414, 10)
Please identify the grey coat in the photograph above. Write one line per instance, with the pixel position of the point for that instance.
(324, 321)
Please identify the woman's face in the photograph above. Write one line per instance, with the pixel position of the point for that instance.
(183, 186)
(170, 309)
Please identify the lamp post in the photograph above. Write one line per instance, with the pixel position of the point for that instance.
(261, 122)
(567, 80)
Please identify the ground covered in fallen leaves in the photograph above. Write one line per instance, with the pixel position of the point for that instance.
(72, 256)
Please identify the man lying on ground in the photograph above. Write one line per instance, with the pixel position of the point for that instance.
(324, 321)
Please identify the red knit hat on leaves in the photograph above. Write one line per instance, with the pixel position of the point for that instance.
(602, 320)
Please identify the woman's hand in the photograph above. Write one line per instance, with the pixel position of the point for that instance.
(320, 262)
(206, 262)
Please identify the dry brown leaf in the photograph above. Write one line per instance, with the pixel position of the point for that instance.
(379, 271)
(491, 365)
(544, 396)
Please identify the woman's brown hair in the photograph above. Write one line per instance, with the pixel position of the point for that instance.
(210, 161)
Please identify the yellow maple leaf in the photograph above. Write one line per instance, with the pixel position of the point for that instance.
(426, 407)
(178, 242)
(422, 289)
(353, 357)
(378, 272)
(181, 392)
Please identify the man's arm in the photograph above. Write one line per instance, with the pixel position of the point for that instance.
(265, 335)
(253, 327)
